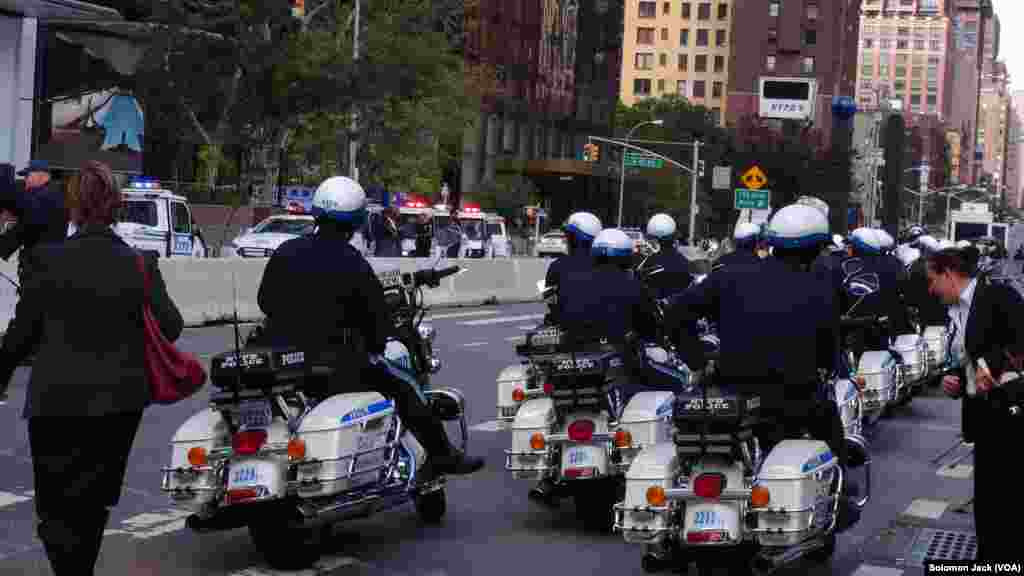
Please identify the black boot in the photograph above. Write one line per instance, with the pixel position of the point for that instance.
(544, 492)
(443, 458)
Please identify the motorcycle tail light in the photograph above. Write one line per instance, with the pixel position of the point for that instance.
(549, 388)
(518, 395)
(707, 536)
(709, 485)
(623, 439)
(581, 431)
(241, 495)
(197, 456)
(249, 441)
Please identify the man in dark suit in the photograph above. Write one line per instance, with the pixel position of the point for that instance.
(40, 211)
(987, 329)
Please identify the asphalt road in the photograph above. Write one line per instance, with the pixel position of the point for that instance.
(491, 527)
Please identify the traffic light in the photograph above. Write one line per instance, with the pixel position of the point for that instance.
(589, 152)
(700, 168)
(595, 152)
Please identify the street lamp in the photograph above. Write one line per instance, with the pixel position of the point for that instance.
(622, 174)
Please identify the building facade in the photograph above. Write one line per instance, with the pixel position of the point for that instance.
(1015, 175)
(813, 39)
(970, 22)
(993, 126)
(673, 47)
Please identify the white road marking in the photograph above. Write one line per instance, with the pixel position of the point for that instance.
(501, 320)
(9, 499)
(922, 508)
(462, 314)
(960, 471)
(527, 327)
(160, 530)
(322, 566)
(869, 570)
(488, 426)
(519, 339)
(149, 519)
(474, 344)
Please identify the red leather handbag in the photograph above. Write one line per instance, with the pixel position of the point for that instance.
(173, 375)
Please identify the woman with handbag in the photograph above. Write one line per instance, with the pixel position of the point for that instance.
(89, 310)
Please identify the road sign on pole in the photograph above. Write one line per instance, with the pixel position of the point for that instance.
(753, 199)
(641, 160)
(754, 178)
(721, 178)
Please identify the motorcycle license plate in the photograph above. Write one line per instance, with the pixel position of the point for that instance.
(254, 414)
(711, 516)
(253, 473)
(580, 457)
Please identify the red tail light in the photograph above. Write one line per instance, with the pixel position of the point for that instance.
(241, 495)
(248, 442)
(549, 388)
(581, 431)
(707, 536)
(709, 485)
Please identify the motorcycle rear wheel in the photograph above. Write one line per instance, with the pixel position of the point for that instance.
(432, 506)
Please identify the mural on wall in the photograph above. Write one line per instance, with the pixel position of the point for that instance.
(108, 125)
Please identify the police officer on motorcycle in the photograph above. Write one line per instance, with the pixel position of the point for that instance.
(866, 245)
(580, 230)
(320, 295)
(778, 322)
(747, 238)
(675, 275)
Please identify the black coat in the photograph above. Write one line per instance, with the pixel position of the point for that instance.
(41, 218)
(82, 306)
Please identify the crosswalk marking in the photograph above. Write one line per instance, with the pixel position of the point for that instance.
(322, 567)
(501, 320)
(474, 344)
(462, 314)
(517, 339)
(488, 426)
(9, 499)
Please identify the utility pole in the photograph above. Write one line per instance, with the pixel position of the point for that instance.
(353, 143)
(694, 177)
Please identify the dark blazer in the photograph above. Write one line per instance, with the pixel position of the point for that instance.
(42, 217)
(83, 307)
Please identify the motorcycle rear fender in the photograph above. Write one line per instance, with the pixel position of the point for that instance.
(728, 511)
(597, 450)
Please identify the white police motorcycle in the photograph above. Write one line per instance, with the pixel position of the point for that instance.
(272, 454)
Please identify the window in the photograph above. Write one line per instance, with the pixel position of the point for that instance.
(769, 62)
(807, 66)
(698, 89)
(681, 88)
(648, 9)
(915, 84)
(716, 90)
(918, 44)
(915, 99)
(139, 212)
(903, 44)
(702, 37)
(917, 72)
(932, 99)
(666, 7)
(663, 60)
(773, 35)
(661, 85)
(684, 37)
(868, 43)
(935, 45)
(773, 8)
(686, 10)
(641, 86)
(664, 33)
(899, 85)
(719, 63)
(885, 43)
(704, 11)
(810, 37)
(700, 63)
(812, 12)
(182, 221)
(901, 71)
(643, 61)
(723, 11)
(883, 68)
(867, 69)
(684, 62)
(645, 35)
(903, 31)
(720, 37)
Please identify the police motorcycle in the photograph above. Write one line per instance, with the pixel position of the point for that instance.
(570, 426)
(269, 454)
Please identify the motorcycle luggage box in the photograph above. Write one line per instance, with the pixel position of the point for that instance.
(798, 476)
(261, 367)
(935, 339)
(911, 349)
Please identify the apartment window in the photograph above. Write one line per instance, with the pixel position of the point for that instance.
(903, 44)
(648, 9)
(700, 63)
(885, 43)
(807, 66)
(915, 84)
(901, 71)
(812, 12)
(645, 36)
(702, 37)
(686, 10)
(899, 85)
(698, 89)
(684, 37)
(684, 62)
(643, 61)
(868, 69)
(918, 44)
(810, 37)
(769, 62)
(868, 43)
(932, 99)
(917, 72)
(716, 90)
(773, 8)
(681, 88)
(664, 33)
(719, 63)
(642, 86)
(723, 11)
(704, 11)
(661, 85)
(903, 31)
(666, 8)
(773, 35)
(663, 60)
(720, 37)
(915, 99)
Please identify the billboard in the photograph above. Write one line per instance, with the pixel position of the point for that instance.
(787, 98)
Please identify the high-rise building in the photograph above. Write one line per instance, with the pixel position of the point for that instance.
(970, 36)
(677, 47)
(993, 123)
(1015, 172)
(904, 55)
(813, 39)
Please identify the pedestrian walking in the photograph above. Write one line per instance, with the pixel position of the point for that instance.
(40, 211)
(84, 310)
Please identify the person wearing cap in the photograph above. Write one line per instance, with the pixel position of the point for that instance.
(930, 310)
(675, 275)
(41, 213)
(866, 245)
(580, 230)
(747, 238)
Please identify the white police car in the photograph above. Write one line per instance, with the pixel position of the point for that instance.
(265, 237)
(152, 218)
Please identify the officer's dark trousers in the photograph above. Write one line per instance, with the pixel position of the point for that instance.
(996, 510)
(79, 465)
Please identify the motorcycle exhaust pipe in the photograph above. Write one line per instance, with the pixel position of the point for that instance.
(765, 564)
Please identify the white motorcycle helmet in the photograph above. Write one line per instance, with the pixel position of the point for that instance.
(928, 244)
(907, 255)
(798, 226)
(661, 226)
(612, 243)
(583, 225)
(746, 233)
(814, 203)
(946, 245)
(342, 200)
(866, 240)
(886, 241)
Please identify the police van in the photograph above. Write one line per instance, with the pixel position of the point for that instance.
(153, 218)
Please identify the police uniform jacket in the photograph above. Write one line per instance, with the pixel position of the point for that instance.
(579, 261)
(741, 257)
(604, 302)
(675, 276)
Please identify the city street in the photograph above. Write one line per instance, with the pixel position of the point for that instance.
(491, 527)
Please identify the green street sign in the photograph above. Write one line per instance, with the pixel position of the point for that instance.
(753, 199)
(641, 160)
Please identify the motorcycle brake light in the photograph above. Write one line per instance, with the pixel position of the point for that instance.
(249, 441)
(549, 388)
(705, 536)
(241, 495)
(709, 485)
(580, 472)
(581, 430)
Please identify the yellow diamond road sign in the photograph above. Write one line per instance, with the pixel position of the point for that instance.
(754, 178)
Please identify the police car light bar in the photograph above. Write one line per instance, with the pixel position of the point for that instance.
(143, 183)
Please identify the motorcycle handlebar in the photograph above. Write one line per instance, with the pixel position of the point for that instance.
(863, 321)
(432, 278)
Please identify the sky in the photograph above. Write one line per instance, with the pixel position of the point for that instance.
(1011, 45)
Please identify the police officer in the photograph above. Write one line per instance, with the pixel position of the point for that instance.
(675, 275)
(778, 322)
(344, 322)
(747, 238)
(580, 230)
(866, 245)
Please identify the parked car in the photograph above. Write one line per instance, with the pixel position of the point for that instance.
(265, 237)
(552, 245)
